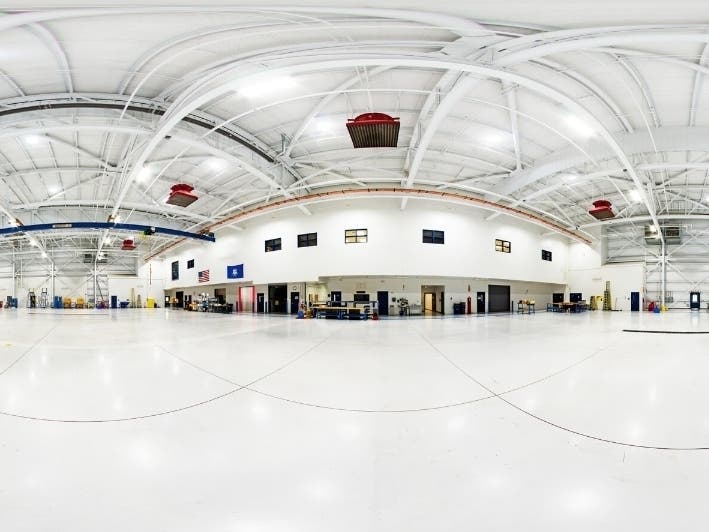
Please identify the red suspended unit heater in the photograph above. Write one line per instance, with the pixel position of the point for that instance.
(128, 245)
(374, 130)
(181, 195)
(602, 210)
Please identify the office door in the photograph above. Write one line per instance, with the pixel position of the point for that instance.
(635, 301)
(294, 302)
(336, 296)
(383, 303)
(481, 303)
(260, 298)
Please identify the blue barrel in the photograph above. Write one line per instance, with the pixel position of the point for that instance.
(114, 301)
(57, 302)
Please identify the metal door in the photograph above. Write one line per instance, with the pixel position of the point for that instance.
(481, 303)
(294, 302)
(635, 301)
(383, 303)
(694, 301)
(259, 302)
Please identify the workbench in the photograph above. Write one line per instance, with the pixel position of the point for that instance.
(341, 313)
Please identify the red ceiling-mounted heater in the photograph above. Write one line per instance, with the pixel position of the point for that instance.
(374, 130)
(602, 210)
(181, 195)
(128, 245)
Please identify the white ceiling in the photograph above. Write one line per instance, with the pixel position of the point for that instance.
(537, 106)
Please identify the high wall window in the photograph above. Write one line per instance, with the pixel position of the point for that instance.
(356, 236)
(546, 255)
(307, 240)
(190, 264)
(503, 246)
(273, 245)
(175, 270)
(431, 236)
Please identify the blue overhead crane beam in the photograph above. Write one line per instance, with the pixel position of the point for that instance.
(68, 226)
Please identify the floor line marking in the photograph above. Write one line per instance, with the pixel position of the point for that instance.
(556, 425)
(171, 411)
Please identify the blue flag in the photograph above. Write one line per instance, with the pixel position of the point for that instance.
(235, 272)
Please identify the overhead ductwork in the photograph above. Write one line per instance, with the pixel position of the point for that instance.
(671, 234)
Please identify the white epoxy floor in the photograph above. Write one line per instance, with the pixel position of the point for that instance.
(174, 421)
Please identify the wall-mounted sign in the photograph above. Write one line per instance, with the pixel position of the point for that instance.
(235, 272)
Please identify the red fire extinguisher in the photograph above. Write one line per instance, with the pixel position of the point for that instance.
(470, 305)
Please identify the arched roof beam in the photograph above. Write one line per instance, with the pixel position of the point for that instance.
(172, 118)
(667, 139)
(51, 42)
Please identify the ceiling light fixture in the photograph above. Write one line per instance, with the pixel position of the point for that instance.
(579, 127)
(143, 175)
(494, 139)
(267, 87)
(215, 164)
(635, 196)
(33, 140)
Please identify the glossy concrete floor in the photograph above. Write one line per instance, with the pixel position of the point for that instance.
(175, 421)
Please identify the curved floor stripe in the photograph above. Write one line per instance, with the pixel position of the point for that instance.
(556, 425)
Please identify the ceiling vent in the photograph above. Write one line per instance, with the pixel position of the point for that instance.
(374, 130)
(128, 245)
(89, 258)
(602, 210)
(181, 195)
(671, 234)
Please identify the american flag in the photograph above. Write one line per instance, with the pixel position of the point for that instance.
(203, 277)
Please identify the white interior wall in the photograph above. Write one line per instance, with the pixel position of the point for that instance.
(588, 276)
(394, 247)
